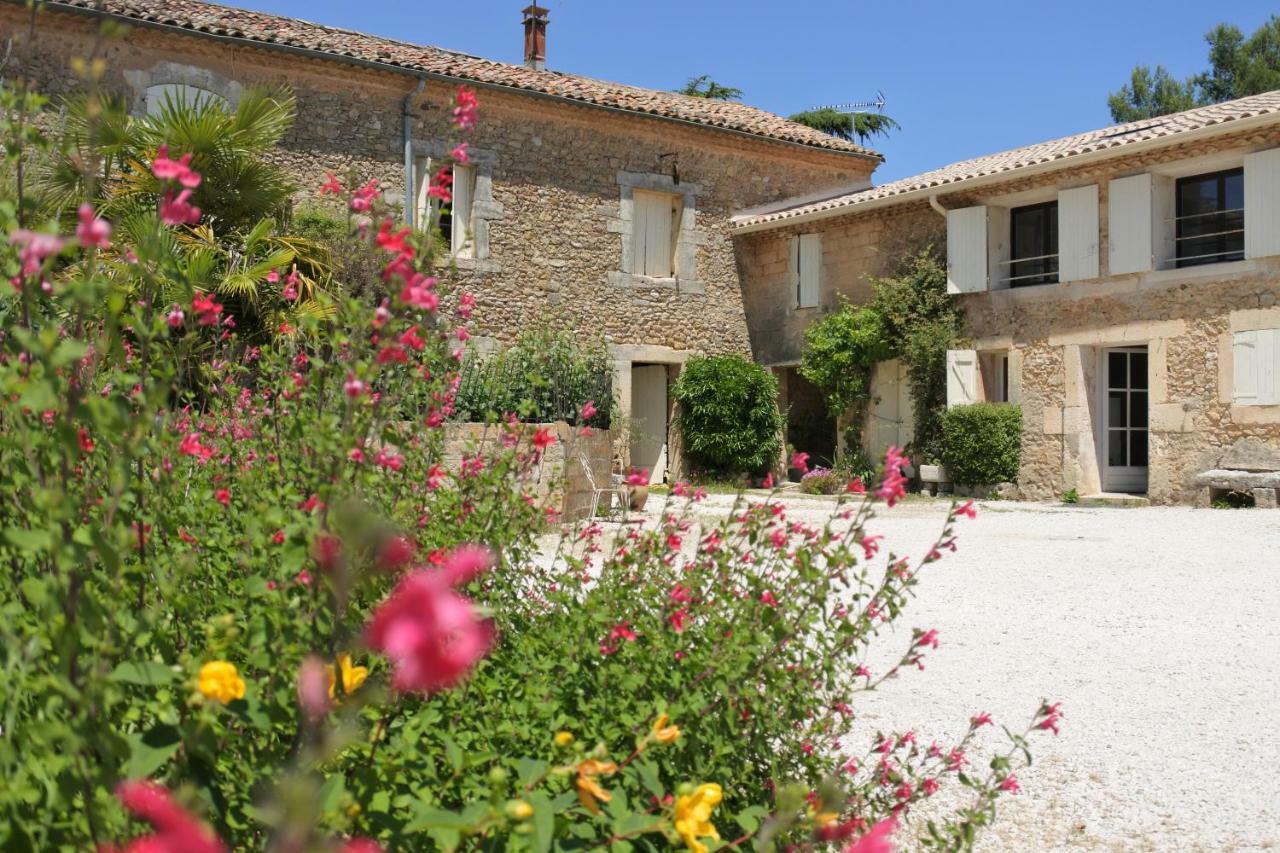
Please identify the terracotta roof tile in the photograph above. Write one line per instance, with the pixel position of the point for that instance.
(269, 29)
(1107, 138)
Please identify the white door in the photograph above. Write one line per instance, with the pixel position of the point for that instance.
(649, 412)
(890, 422)
(1124, 419)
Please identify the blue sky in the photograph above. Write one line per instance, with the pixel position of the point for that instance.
(963, 77)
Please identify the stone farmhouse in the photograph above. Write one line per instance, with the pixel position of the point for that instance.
(1120, 285)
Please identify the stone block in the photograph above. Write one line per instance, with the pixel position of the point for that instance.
(1251, 454)
(1264, 498)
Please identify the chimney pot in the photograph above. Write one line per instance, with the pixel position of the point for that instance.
(535, 37)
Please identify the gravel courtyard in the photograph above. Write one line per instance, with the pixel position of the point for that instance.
(1159, 631)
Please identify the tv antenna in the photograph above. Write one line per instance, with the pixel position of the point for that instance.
(858, 106)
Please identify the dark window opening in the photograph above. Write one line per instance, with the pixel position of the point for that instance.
(1033, 243)
(1210, 218)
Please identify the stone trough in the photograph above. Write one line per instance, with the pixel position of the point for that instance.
(1250, 466)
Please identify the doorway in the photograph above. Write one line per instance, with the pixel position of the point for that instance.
(1124, 410)
(649, 408)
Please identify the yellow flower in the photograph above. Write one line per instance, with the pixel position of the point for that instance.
(219, 680)
(352, 676)
(664, 733)
(693, 816)
(564, 738)
(590, 793)
(519, 810)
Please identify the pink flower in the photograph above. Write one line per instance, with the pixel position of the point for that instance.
(354, 387)
(588, 411)
(92, 231)
(767, 598)
(466, 304)
(1009, 784)
(361, 845)
(875, 841)
(175, 170)
(1051, 714)
(86, 441)
(441, 185)
(930, 786)
(191, 446)
(966, 509)
(464, 114)
(678, 619)
(179, 210)
(176, 318)
(856, 487)
(223, 496)
(892, 487)
(768, 481)
(395, 552)
(800, 461)
(331, 186)
(983, 719)
(431, 634)
(928, 638)
(313, 687)
(392, 242)
(619, 632)
(542, 439)
(206, 309)
(36, 246)
(638, 477)
(362, 199)
(460, 154)
(176, 831)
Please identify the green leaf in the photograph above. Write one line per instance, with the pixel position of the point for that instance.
(28, 540)
(147, 673)
(148, 752)
(454, 754)
(331, 793)
(749, 818)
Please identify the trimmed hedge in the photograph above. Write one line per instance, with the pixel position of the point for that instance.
(729, 416)
(982, 443)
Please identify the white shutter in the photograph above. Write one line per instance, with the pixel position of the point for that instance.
(1256, 379)
(810, 270)
(464, 178)
(1078, 233)
(1013, 365)
(1269, 367)
(1129, 224)
(1262, 204)
(657, 238)
(793, 269)
(962, 377)
(967, 250)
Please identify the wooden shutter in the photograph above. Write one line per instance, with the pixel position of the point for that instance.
(1262, 204)
(1078, 233)
(1129, 224)
(464, 183)
(651, 226)
(793, 269)
(967, 250)
(1256, 378)
(962, 377)
(810, 270)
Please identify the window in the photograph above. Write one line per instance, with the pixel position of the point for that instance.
(1210, 218)
(807, 267)
(1001, 389)
(178, 94)
(454, 218)
(1033, 245)
(1257, 368)
(655, 233)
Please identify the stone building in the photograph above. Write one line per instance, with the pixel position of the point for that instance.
(1122, 286)
(602, 205)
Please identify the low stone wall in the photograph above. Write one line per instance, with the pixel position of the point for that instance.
(560, 480)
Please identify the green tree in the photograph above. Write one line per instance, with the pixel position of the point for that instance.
(1238, 67)
(705, 87)
(850, 126)
(729, 416)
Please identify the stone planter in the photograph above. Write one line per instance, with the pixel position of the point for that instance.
(935, 479)
(637, 497)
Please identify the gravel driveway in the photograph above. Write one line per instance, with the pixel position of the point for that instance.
(1157, 628)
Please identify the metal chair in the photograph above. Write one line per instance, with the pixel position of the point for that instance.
(599, 491)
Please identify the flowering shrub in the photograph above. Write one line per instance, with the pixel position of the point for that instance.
(270, 616)
(822, 481)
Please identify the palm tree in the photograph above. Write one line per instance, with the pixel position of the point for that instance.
(243, 197)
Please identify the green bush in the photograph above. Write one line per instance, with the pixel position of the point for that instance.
(729, 416)
(982, 443)
(548, 375)
(839, 352)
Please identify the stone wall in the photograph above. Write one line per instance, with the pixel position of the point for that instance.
(1054, 334)
(553, 177)
(559, 478)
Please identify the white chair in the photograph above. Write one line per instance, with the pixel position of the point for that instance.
(598, 491)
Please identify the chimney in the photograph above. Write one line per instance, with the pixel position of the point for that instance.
(535, 37)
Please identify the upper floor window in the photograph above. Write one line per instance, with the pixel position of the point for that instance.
(179, 95)
(1210, 218)
(1033, 253)
(453, 218)
(655, 233)
(806, 265)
